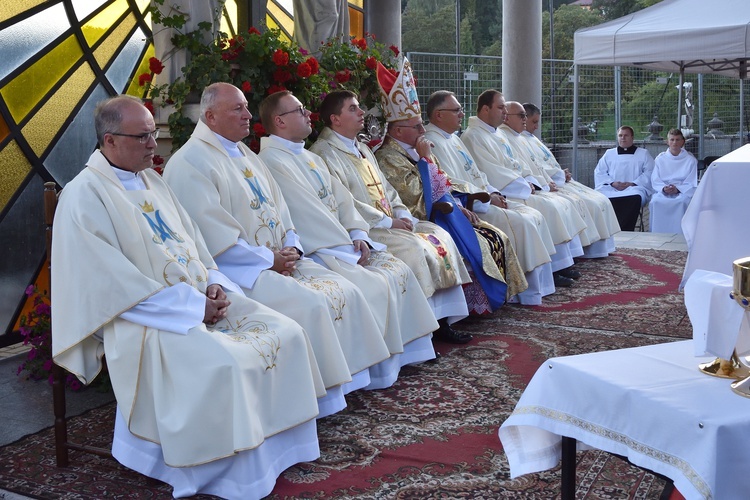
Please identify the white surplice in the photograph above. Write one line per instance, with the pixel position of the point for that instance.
(666, 211)
(634, 168)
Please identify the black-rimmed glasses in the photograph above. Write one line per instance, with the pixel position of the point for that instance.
(142, 138)
(301, 110)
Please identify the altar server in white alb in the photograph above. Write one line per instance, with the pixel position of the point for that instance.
(215, 392)
(674, 180)
(602, 214)
(623, 175)
(239, 208)
(334, 234)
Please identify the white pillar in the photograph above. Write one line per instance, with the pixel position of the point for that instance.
(383, 19)
(522, 51)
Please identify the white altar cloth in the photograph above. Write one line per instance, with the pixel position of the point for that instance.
(650, 404)
(719, 324)
(714, 222)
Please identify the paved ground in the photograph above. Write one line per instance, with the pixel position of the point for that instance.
(26, 406)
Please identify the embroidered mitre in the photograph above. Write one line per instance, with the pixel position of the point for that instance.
(398, 93)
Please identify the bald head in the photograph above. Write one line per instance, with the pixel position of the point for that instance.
(516, 116)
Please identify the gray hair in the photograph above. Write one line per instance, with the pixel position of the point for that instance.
(208, 98)
(108, 115)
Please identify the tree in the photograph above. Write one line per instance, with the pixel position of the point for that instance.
(567, 20)
(423, 32)
(612, 9)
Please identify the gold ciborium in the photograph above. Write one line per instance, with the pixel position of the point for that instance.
(734, 367)
(741, 295)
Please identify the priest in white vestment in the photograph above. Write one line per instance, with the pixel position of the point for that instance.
(600, 209)
(623, 174)
(674, 181)
(232, 197)
(438, 267)
(495, 157)
(205, 379)
(525, 226)
(334, 234)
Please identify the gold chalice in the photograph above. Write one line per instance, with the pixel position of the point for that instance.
(740, 294)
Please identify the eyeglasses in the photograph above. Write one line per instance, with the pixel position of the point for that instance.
(142, 138)
(301, 110)
(522, 115)
(453, 110)
(417, 127)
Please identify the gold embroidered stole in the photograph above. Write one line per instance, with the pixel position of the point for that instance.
(374, 186)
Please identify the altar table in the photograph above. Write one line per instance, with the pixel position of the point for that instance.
(650, 405)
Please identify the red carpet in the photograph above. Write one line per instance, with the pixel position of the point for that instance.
(434, 433)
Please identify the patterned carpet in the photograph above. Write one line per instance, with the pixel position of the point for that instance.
(434, 433)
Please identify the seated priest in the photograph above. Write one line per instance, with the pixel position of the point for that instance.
(216, 393)
(334, 234)
(232, 197)
(674, 181)
(426, 248)
(405, 158)
(623, 174)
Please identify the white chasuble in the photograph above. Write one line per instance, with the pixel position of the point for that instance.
(323, 212)
(525, 226)
(202, 396)
(494, 156)
(233, 199)
(599, 206)
(429, 251)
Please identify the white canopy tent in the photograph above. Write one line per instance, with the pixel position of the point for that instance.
(685, 36)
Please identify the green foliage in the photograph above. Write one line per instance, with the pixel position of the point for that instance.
(567, 19)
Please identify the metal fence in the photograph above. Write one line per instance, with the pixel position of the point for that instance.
(608, 97)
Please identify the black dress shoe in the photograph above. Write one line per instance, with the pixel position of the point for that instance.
(447, 334)
(562, 281)
(571, 273)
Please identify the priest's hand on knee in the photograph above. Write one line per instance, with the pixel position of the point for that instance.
(216, 304)
(284, 261)
(362, 247)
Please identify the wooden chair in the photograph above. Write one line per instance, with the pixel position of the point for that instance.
(62, 445)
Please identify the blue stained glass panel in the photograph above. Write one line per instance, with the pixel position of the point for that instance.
(74, 147)
(122, 67)
(22, 40)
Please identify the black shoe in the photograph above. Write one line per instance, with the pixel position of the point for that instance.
(570, 273)
(562, 281)
(447, 334)
(435, 359)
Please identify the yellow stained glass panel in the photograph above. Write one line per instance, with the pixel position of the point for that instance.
(281, 17)
(271, 24)
(24, 92)
(4, 130)
(15, 167)
(9, 8)
(104, 51)
(356, 23)
(230, 9)
(134, 88)
(96, 27)
(50, 118)
(357, 3)
(142, 5)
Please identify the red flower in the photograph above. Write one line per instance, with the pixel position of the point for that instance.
(158, 160)
(314, 65)
(343, 76)
(246, 87)
(158, 170)
(280, 58)
(155, 65)
(254, 146)
(275, 88)
(258, 129)
(371, 63)
(395, 50)
(149, 106)
(282, 75)
(145, 77)
(314, 117)
(361, 43)
(304, 70)
(253, 31)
